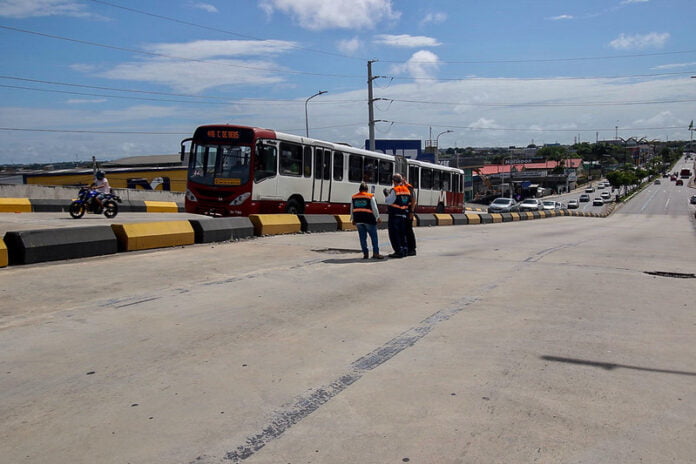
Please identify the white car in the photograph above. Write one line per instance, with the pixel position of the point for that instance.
(573, 204)
(531, 204)
(597, 202)
(606, 196)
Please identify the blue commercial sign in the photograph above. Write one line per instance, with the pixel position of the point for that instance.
(407, 148)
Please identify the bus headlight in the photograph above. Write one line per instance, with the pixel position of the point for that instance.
(190, 196)
(240, 199)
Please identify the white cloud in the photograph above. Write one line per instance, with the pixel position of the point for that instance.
(638, 41)
(422, 65)
(675, 65)
(205, 7)
(349, 46)
(203, 49)
(628, 2)
(77, 101)
(34, 8)
(434, 18)
(406, 41)
(342, 14)
(183, 77)
(561, 17)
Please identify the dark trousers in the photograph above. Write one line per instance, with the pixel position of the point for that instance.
(397, 234)
(410, 236)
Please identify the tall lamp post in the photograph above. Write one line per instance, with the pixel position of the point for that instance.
(437, 142)
(305, 110)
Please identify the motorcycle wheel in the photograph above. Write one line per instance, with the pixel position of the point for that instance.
(110, 209)
(77, 210)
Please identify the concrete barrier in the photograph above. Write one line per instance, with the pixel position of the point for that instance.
(459, 219)
(473, 218)
(486, 218)
(148, 235)
(36, 246)
(161, 207)
(543, 214)
(385, 221)
(515, 216)
(310, 223)
(221, 229)
(507, 217)
(528, 214)
(443, 219)
(15, 205)
(132, 206)
(343, 222)
(276, 224)
(425, 220)
(50, 206)
(4, 259)
(496, 217)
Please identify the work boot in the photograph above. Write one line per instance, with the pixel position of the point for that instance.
(377, 256)
(366, 255)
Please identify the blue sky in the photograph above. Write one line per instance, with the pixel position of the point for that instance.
(116, 78)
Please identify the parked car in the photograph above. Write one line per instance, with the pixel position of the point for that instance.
(560, 205)
(606, 196)
(584, 197)
(573, 204)
(589, 189)
(531, 204)
(692, 200)
(597, 202)
(679, 182)
(657, 182)
(503, 205)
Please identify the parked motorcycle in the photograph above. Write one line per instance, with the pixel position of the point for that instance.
(87, 203)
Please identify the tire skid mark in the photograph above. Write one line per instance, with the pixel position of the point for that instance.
(304, 405)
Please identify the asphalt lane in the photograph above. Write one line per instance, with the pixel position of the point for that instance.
(542, 341)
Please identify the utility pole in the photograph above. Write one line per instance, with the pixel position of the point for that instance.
(370, 101)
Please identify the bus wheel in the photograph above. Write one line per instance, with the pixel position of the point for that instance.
(293, 207)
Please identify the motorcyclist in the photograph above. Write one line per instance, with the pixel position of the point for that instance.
(102, 187)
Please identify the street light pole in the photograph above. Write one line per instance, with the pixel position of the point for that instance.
(305, 110)
(437, 142)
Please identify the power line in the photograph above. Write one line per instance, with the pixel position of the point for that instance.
(67, 131)
(348, 76)
(223, 31)
(542, 105)
(552, 60)
(313, 50)
(162, 55)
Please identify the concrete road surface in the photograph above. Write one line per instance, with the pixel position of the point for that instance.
(539, 341)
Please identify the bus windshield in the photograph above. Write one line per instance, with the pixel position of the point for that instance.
(220, 164)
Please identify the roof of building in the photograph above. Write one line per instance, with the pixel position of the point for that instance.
(491, 169)
(147, 160)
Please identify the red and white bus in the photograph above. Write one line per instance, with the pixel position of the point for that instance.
(238, 171)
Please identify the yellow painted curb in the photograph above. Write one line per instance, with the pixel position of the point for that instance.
(4, 258)
(473, 218)
(147, 235)
(275, 224)
(15, 205)
(161, 207)
(497, 217)
(343, 221)
(515, 216)
(543, 214)
(443, 219)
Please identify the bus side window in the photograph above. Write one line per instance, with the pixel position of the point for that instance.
(370, 170)
(427, 178)
(413, 176)
(290, 159)
(355, 168)
(266, 161)
(307, 161)
(386, 170)
(338, 166)
(446, 181)
(327, 165)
